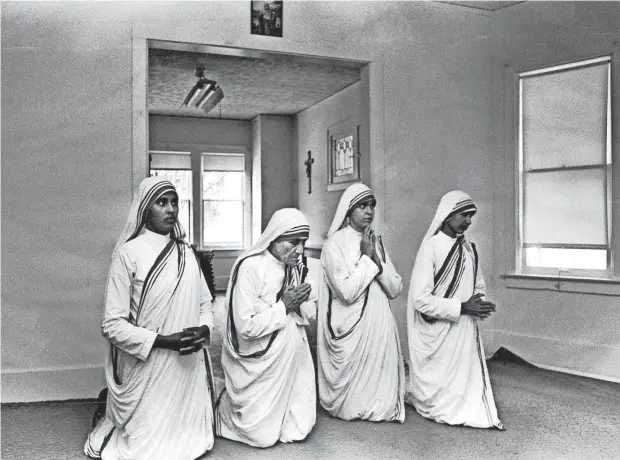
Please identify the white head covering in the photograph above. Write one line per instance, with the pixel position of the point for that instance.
(451, 203)
(352, 196)
(149, 191)
(284, 222)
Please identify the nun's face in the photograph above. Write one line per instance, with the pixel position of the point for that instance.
(287, 250)
(163, 214)
(363, 215)
(458, 223)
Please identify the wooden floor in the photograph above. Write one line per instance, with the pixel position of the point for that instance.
(548, 416)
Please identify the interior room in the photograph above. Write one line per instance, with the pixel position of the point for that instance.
(423, 97)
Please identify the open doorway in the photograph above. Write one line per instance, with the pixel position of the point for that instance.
(252, 146)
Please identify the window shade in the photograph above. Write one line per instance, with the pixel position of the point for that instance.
(223, 162)
(565, 207)
(564, 118)
(171, 160)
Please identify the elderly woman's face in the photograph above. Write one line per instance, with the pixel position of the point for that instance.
(163, 214)
(287, 250)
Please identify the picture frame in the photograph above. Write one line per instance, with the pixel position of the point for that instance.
(343, 155)
(266, 18)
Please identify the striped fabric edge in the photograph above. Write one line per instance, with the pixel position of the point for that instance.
(329, 315)
(359, 198)
(231, 333)
(300, 231)
(153, 195)
(454, 259)
(487, 406)
(458, 274)
(462, 206)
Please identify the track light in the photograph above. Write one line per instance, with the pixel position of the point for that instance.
(206, 92)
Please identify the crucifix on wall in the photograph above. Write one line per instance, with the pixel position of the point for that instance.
(308, 164)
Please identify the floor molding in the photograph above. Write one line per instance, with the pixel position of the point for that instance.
(585, 359)
(52, 384)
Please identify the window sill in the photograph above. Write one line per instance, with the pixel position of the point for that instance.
(222, 251)
(582, 285)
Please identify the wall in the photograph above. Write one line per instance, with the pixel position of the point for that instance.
(312, 126)
(66, 189)
(275, 144)
(562, 330)
(205, 131)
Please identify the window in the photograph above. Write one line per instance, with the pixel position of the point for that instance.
(220, 216)
(223, 196)
(564, 170)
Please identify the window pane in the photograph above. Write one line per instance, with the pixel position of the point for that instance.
(565, 207)
(564, 118)
(182, 181)
(222, 185)
(586, 259)
(223, 222)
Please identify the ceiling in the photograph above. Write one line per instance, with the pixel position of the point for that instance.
(254, 83)
(483, 5)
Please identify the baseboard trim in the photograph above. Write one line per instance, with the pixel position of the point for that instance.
(581, 358)
(578, 373)
(52, 384)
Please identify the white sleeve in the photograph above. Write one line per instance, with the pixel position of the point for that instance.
(421, 296)
(115, 327)
(347, 284)
(390, 280)
(252, 319)
(308, 308)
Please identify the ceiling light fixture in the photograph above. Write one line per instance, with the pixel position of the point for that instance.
(205, 94)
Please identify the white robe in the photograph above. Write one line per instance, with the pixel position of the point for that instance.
(361, 372)
(271, 396)
(448, 380)
(164, 405)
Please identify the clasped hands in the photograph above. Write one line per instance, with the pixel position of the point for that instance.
(189, 341)
(293, 297)
(477, 307)
(368, 246)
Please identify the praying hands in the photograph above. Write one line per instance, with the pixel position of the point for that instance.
(477, 307)
(368, 246)
(293, 297)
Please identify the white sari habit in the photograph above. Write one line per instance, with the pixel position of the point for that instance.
(270, 393)
(448, 380)
(360, 364)
(159, 403)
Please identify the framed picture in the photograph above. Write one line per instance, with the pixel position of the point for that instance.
(267, 18)
(343, 155)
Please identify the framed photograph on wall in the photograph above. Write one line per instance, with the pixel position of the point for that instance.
(343, 155)
(266, 18)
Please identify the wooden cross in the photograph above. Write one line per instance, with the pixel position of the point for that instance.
(308, 164)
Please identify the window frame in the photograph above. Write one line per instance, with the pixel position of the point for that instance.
(196, 151)
(606, 167)
(506, 212)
